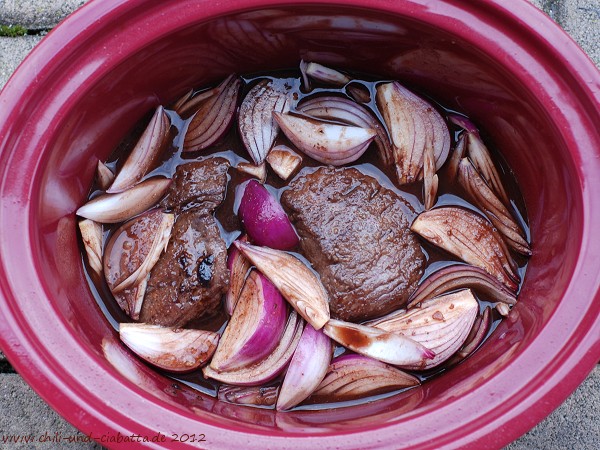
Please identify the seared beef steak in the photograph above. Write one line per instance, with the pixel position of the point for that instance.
(355, 234)
(198, 184)
(189, 279)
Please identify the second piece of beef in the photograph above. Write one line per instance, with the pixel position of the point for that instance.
(199, 184)
(356, 235)
(191, 275)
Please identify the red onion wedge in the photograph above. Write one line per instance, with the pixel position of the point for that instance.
(91, 234)
(175, 350)
(324, 74)
(340, 109)
(296, 282)
(284, 161)
(145, 154)
(305, 79)
(476, 336)
(481, 157)
(359, 93)
(352, 376)
(213, 118)
(441, 324)
(326, 142)
(462, 276)
(239, 267)
(269, 367)
(265, 220)
(502, 308)
(430, 179)
(187, 104)
(470, 237)
(255, 327)
(478, 333)
(307, 368)
(104, 176)
(492, 206)
(249, 395)
(414, 125)
(258, 129)
(132, 299)
(115, 208)
(457, 155)
(134, 248)
(463, 122)
(257, 171)
(378, 344)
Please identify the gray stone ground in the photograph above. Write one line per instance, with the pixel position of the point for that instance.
(36, 14)
(575, 425)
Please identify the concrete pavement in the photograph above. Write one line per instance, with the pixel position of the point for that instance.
(575, 425)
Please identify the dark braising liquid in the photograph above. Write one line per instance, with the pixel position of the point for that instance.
(231, 147)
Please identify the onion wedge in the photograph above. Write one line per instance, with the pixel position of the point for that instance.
(458, 154)
(257, 171)
(470, 237)
(132, 299)
(104, 176)
(268, 368)
(255, 327)
(258, 128)
(430, 179)
(284, 161)
(379, 344)
(492, 206)
(414, 126)
(345, 111)
(249, 395)
(307, 368)
(481, 157)
(172, 349)
(359, 93)
(264, 219)
(326, 142)
(134, 248)
(214, 117)
(461, 276)
(91, 234)
(239, 267)
(441, 324)
(296, 282)
(189, 103)
(354, 376)
(476, 336)
(115, 208)
(145, 154)
(324, 74)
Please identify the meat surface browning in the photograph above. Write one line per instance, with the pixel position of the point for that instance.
(356, 235)
(190, 277)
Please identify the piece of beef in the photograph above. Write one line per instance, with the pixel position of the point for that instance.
(356, 235)
(198, 184)
(190, 277)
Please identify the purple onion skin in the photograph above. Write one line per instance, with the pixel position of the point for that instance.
(307, 368)
(236, 284)
(272, 320)
(265, 221)
(272, 323)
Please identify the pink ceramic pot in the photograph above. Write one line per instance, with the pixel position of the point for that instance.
(531, 89)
